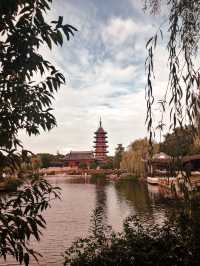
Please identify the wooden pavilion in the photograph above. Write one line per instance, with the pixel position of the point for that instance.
(164, 165)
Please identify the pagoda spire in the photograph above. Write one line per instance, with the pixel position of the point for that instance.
(100, 122)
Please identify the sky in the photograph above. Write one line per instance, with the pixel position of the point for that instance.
(105, 75)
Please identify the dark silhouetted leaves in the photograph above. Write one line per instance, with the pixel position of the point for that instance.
(181, 94)
(21, 218)
(25, 104)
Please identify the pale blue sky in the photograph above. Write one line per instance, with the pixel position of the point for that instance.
(104, 69)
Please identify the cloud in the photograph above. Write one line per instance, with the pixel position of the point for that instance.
(104, 69)
(108, 71)
(119, 30)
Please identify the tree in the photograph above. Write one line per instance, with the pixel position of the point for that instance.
(133, 158)
(25, 104)
(118, 156)
(94, 165)
(195, 149)
(108, 164)
(182, 93)
(46, 159)
(83, 165)
(179, 143)
(182, 43)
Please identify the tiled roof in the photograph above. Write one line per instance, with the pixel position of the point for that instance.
(80, 155)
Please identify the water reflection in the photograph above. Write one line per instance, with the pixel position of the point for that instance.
(136, 194)
(140, 201)
(101, 200)
(70, 218)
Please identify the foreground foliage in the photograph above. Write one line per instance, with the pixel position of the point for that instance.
(28, 81)
(179, 32)
(21, 219)
(177, 242)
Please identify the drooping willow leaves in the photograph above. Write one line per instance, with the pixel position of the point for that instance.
(183, 35)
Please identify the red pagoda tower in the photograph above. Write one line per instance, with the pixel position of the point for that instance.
(100, 144)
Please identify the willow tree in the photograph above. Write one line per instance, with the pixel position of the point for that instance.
(133, 158)
(181, 31)
(25, 104)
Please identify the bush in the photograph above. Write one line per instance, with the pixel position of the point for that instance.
(177, 242)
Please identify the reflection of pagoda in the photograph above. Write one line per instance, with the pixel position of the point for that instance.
(100, 144)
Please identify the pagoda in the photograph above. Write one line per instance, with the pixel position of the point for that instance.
(100, 144)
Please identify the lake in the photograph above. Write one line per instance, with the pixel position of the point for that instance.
(69, 218)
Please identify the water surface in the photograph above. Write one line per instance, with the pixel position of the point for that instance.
(70, 218)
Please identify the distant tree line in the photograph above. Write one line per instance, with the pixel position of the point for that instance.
(50, 160)
(46, 160)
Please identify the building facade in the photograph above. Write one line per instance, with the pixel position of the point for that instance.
(79, 159)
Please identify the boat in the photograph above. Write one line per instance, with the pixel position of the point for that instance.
(153, 180)
(167, 181)
(161, 180)
(159, 170)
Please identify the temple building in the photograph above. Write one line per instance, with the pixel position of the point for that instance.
(79, 159)
(100, 144)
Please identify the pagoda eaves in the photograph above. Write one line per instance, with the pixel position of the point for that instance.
(100, 143)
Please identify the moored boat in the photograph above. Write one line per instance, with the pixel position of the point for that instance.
(162, 181)
(153, 180)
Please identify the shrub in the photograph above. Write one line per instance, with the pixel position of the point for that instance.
(177, 242)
